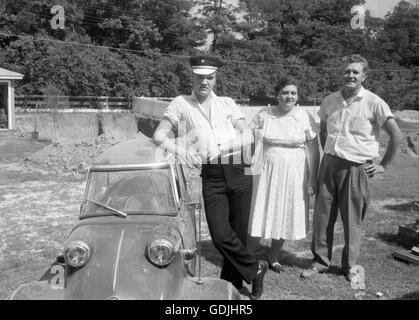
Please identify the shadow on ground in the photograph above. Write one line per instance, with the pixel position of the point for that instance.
(288, 259)
(409, 296)
(389, 238)
(408, 206)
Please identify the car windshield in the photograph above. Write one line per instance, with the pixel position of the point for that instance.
(129, 192)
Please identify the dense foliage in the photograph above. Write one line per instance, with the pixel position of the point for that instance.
(141, 47)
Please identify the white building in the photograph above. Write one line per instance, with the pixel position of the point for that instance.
(7, 97)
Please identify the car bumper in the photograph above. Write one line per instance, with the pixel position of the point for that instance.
(192, 289)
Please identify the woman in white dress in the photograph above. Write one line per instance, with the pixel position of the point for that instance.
(289, 153)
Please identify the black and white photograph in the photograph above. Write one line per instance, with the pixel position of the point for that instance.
(216, 151)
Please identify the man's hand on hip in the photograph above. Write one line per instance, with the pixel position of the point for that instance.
(373, 168)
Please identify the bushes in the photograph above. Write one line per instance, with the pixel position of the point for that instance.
(276, 38)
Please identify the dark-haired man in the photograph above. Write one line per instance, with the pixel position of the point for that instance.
(212, 122)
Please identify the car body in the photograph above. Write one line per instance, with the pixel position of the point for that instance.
(136, 237)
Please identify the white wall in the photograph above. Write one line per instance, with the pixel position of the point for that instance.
(154, 108)
(149, 107)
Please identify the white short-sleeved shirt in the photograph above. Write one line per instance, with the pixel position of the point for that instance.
(188, 116)
(293, 129)
(353, 129)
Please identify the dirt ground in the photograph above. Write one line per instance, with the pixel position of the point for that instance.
(40, 197)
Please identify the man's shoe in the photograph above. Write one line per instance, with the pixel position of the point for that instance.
(309, 273)
(276, 267)
(244, 291)
(349, 276)
(356, 276)
(257, 283)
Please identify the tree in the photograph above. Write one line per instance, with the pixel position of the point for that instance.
(32, 17)
(178, 31)
(219, 19)
(160, 25)
(259, 40)
(399, 40)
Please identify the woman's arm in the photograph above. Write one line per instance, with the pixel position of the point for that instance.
(314, 159)
(323, 133)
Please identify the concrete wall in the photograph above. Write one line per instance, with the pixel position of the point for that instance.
(149, 107)
(153, 108)
(118, 124)
(78, 125)
(250, 112)
(81, 124)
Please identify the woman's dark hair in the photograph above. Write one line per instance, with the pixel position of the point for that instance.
(285, 81)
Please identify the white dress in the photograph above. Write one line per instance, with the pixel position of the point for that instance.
(280, 206)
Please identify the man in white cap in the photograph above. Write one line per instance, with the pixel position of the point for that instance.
(213, 122)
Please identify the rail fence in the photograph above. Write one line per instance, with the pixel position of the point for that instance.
(83, 102)
(72, 102)
(152, 107)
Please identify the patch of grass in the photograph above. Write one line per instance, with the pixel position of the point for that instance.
(393, 278)
(401, 179)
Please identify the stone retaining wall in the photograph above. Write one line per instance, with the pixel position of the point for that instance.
(83, 125)
(78, 124)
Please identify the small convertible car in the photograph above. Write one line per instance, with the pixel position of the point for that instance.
(136, 237)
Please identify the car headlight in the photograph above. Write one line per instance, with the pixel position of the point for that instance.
(77, 253)
(161, 252)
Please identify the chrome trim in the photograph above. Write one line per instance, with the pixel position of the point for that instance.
(174, 187)
(176, 167)
(166, 243)
(129, 167)
(115, 274)
(166, 214)
(89, 177)
(188, 254)
(79, 244)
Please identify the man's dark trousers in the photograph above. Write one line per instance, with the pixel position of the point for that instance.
(227, 193)
(343, 186)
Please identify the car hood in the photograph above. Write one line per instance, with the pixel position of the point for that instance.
(119, 267)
